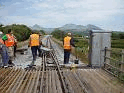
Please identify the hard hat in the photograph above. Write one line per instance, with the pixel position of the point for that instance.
(69, 34)
(1, 32)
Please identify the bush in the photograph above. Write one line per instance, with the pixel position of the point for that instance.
(22, 32)
(59, 34)
(118, 43)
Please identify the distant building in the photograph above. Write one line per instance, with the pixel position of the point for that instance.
(85, 37)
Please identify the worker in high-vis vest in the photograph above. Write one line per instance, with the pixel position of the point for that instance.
(9, 42)
(68, 42)
(34, 43)
(3, 52)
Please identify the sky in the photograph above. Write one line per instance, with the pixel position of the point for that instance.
(106, 14)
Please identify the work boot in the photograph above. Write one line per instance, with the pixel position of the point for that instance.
(5, 66)
(10, 63)
(32, 63)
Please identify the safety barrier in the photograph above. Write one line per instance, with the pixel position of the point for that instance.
(114, 63)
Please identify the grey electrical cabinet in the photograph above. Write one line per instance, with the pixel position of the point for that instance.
(99, 39)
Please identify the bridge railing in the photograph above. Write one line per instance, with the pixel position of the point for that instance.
(114, 63)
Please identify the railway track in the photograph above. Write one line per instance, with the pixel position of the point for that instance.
(51, 77)
(65, 86)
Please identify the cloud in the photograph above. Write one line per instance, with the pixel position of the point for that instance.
(16, 3)
(52, 13)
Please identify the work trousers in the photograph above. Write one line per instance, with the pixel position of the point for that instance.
(14, 51)
(5, 56)
(34, 52)
(66, 56)
(39, 51)
(11, 53)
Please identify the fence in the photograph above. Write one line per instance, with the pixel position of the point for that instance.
(114, 63)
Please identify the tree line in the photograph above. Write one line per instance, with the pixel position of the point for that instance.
(22, 32)
(117, 35)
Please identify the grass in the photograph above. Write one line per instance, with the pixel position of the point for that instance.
(117, 43)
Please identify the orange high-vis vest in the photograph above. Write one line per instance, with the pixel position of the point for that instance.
(10, 41)
(67, 42)
(1, 41)
(34, 40)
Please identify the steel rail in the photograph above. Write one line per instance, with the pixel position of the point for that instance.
(33, 82)
(43, 69)
(29, 83)
(38, 76)
(47, 82)
(50, 89)
(82, 85)
(58, 83)
(58, 69)
(68, 82)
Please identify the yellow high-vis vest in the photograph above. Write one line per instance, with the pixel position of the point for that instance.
(34, 40)
(67, 44)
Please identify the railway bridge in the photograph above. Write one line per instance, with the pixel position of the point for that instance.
(49, 75)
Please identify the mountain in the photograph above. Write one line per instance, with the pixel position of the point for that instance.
(38, 27)
(73, 27)
(68, 27)
(92, 27)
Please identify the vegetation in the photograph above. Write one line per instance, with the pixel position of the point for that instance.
(58, 34)
(117, 40)
(117, 35)
(80, 42)
(42, 32)
(22, 32)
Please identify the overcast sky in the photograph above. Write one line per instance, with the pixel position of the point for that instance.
(107, 14)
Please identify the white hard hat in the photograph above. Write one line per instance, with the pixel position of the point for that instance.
(1, 32)
(69, 34)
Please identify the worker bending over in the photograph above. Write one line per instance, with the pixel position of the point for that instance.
(68, 41)
(9, 42)
(4, 53)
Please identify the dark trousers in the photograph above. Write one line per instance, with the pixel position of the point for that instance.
(66, 56)
(34, 52)
(39, 50)
(14, 51)
(5, 55)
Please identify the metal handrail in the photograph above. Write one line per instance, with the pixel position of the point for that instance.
(120, 62)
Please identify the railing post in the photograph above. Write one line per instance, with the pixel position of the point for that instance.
(122, 64)
(90, 48)
(105, 50)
